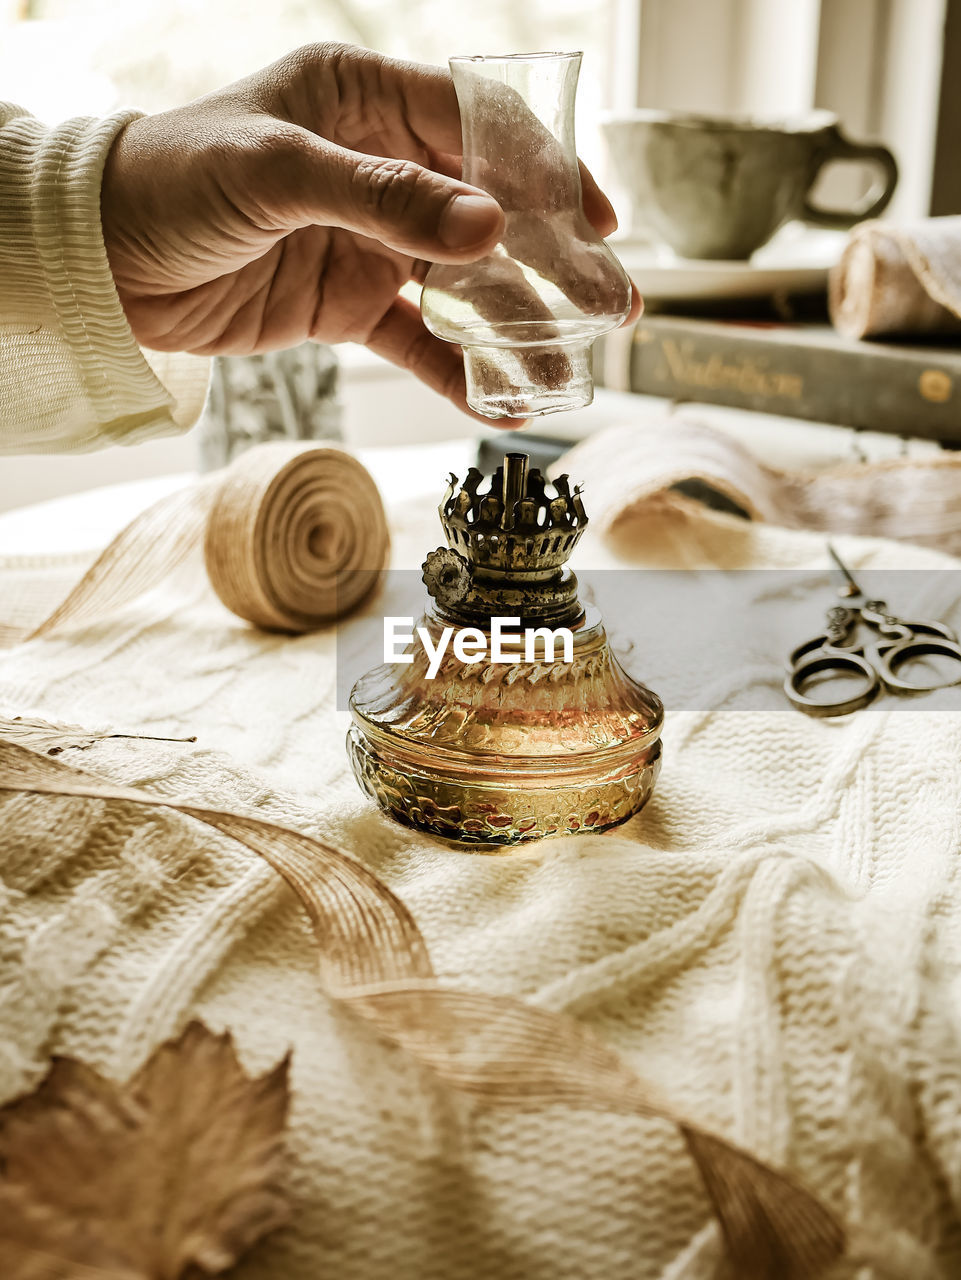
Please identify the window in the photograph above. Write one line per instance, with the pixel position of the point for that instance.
(877, 63)
(69, 57)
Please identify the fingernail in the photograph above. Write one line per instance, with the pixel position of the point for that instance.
(467, 221)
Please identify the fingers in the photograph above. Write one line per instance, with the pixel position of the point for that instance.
(401, 338)
(422, 96)
(362, 99)
(637, 307)
(403, 205)
(367, 102)
(599, 210)
(503, 296)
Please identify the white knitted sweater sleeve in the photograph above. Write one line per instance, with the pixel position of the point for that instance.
(72, 376)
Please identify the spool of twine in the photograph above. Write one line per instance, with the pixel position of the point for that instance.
(293, 536)
(295, 541)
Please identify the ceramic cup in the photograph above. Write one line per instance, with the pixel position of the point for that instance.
(714, 187)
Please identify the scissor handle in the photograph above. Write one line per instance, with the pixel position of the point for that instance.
(840, 662)
(814, 645)
(876, 614)
(913, 629)
(840, 637)
(897, 630)
(928, 640)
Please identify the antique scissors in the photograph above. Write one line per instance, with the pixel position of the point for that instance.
(839, 655)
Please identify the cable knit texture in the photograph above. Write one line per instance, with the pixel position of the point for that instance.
(72, 376)
(775, 942)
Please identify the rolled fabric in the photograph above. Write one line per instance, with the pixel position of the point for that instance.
(294, 536)
(294, 542)
(898, 279)
(911, 499)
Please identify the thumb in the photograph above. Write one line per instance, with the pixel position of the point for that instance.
(398, 202)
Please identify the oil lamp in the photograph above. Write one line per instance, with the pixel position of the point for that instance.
(509, 740)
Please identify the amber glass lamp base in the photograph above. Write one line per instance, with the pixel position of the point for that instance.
(494, 756)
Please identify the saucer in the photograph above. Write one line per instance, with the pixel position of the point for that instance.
(796, 261)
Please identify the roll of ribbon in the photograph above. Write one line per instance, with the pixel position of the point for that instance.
(898, 279)
(293, 536)
(293, 542)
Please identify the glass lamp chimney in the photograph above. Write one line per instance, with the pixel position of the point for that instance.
(528, 313)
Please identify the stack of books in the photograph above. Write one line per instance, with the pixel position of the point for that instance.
(799, 369)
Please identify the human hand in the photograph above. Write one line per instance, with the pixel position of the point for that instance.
(294, 205)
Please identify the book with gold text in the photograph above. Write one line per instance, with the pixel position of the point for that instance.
(801, 371)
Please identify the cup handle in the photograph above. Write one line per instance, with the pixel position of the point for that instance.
(876, 200)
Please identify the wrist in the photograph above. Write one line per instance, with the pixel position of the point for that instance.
(116, 215)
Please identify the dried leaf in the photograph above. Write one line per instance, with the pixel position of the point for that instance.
(177, 1169)
(41, 735)
(51, 739)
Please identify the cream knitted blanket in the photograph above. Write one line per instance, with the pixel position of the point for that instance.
(775, 942)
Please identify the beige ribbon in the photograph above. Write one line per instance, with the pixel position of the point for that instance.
(912, 500)
(899, 279)
(499, 1050)
(294, 536)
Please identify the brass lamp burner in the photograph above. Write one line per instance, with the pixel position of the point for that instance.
(500, 748)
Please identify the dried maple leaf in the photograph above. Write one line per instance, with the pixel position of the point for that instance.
(51, 739)
(176, 1170)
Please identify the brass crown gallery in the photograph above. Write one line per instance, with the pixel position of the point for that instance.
(470, 644)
